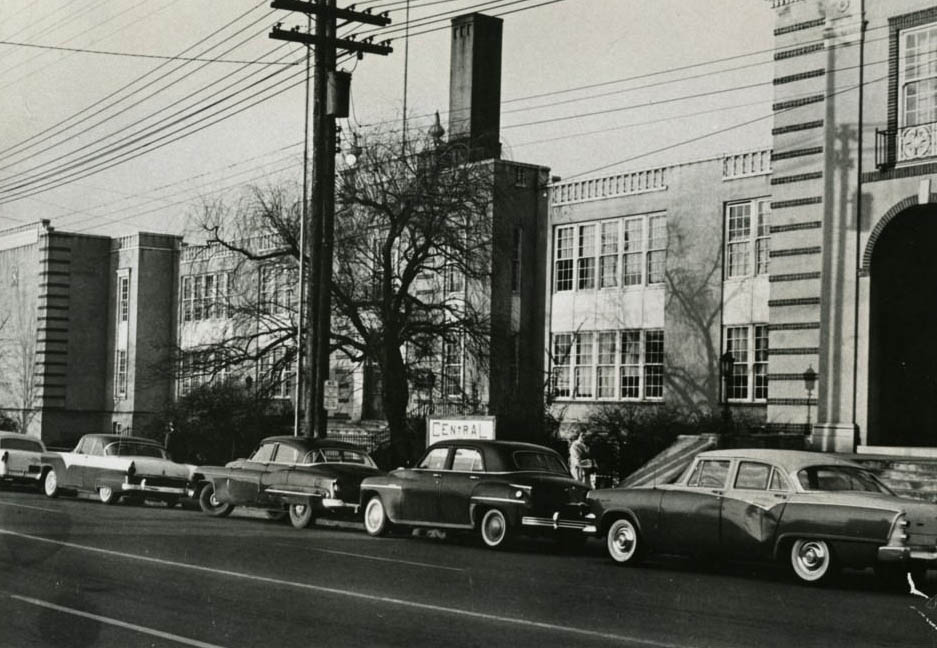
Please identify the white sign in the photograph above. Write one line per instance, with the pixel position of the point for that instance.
(460, 427)
(330, 395)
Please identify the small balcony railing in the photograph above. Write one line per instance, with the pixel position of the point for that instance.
(905, 145)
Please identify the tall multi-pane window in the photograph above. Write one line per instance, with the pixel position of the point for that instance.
(656, 248)
(586, 258)
(563, 253)
(452, 368)
(277, 372)
(277, 289)
(120, 374)
(630, 371)
(609, 365)
(738, 239)
(608, 259)
(123, 298)
(207, 296)
(748, 238)
(917, 75)
(627, 251)
(632, 258)
(654, 364)
(562, 363)
(605, 367)
(584, 368)
(749, 348)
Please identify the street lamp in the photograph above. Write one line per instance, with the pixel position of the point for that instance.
(726, 366)
(810, 381)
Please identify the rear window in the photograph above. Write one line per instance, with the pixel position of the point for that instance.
(840, 478)
(21, 444)
(338, 455)
(539, 461)
(134, 449)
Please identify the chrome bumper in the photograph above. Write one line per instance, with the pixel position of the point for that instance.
(556, 522)
(143, 487)
(334, 503)
(903, 554)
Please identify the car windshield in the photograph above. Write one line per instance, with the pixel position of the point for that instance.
(540, 461)
(21, 444)
(338, 455)
(134, 449)
(840, 478)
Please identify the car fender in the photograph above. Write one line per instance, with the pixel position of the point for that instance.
(389, 490)
(53, 460)
(501, 495)
(837, 524)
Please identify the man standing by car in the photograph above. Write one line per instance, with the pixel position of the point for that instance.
(578, 457)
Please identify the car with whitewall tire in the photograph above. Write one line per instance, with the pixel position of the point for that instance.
(21, 459)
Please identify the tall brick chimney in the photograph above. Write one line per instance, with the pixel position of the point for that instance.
(475, 85)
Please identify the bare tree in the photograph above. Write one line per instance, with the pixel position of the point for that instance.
(18, 355)
(411, 270)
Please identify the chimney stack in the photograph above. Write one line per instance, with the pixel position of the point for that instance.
(475, 85)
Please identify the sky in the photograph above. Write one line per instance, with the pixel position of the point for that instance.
(122, 137)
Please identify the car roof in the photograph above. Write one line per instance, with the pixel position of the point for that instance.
(16, 435)
(112, 438)
(789, 460)
(311, 443)
(492, 443)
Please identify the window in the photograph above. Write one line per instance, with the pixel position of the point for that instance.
(583, 371)
(435, 459)
(563, 268)
(120, 375)
(749, 348)
(713, 474)
(840, 478)
(277, 289)
(123, 298)
(27, 445)
(656, 249)
(608, 259)
(609, 365)
(264, 453)
(562, 348)
(286, 455)
(917, 75)
(616, 252)
(516, 260)
(452, 368)
(753, 476)
(748, 230)
(467, 460)
(778, 481)
(540, 462)
(207, 296)
(278, 371)
(586, 259)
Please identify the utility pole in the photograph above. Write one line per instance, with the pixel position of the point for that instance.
(326, 44)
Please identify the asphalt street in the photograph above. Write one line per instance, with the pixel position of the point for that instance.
(74, 572)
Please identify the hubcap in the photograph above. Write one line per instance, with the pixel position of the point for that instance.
(105, 493)
(51, 481)
(214, 501)
(300, 509)
(494, 528)
(812, 556)
(624, 539)
(375, 515)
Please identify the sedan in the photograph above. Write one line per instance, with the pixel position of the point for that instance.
(498, 488)
(306, 476)
(116, 467)
(813, 511)
(20, 458)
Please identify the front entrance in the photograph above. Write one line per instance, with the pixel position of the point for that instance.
(903, 331)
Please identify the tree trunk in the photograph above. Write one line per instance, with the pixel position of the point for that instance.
(396, 394)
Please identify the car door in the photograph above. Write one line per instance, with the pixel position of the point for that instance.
(91, 464)
(456, 485)
(751, 508)
(420, 486)
(690, 513)
(243, 482)
(277, 476)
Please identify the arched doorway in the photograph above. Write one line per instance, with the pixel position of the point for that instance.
(903, 331)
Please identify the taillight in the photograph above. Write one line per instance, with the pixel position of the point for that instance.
(4, 456)
(898, 536)
(132, 470)
(336, 489)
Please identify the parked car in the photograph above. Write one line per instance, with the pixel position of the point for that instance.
(116, 467)
(20, 458)
(500, 488)
(308, 477)
(812, 510)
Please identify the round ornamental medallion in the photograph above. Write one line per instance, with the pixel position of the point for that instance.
(915, 142)
(843, 6)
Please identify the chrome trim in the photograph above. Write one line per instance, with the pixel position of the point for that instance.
(391, 486)
(332, 502)
(279, 491)
(558, 524)
(899, 554)
(153, 489)
(499, 499)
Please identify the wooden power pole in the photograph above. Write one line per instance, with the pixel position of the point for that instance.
(329, 101)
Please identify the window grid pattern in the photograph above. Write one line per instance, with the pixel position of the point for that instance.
(277, 289)
(918, 76)
(123, 298)
(280, 377)
(749, 348)
(763, 237)
(738, 240)
(609, 365)
(516, 261)
(452, 368)
(120, 375)
(206, 296)
(586, 256)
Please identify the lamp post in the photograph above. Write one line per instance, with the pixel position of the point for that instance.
(726, 366)
(810, 381)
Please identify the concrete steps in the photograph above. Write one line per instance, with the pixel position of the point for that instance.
(908, 476)
(667, 465)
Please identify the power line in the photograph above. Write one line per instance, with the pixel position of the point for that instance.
(138, 55)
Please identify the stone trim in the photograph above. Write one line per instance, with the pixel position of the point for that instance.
(800, 177)
(900, 172)
(866, 268)
(800, 76)
(797, 103)
(787, 377)
(799, 51)
(795, 301)
(799, 276)
(793, 153)
(794, 351)
(794, 227)
(795, 252)
(792, 401)
(809, 24)
(794, 326)
(796, 202)
(793, 128)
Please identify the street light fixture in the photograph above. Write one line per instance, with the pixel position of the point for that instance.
(726, 366)
(810, 381)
